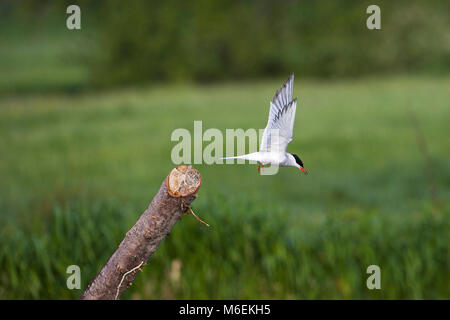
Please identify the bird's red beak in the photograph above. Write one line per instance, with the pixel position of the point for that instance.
(304, 170)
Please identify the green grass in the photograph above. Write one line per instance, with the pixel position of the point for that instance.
(77, 170)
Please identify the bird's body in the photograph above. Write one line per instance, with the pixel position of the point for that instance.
(278, 132)
(267, 158)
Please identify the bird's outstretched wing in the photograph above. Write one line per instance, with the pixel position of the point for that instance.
(280, 126)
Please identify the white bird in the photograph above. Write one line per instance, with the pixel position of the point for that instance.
(278, 132)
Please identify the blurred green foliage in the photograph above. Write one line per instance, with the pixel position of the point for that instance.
(78, 170)
(143, 41)
(250, 252)
(210, 40)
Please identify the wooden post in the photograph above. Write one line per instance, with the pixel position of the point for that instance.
(177, 192)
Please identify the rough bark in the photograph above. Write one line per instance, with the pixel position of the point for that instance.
(172, 200)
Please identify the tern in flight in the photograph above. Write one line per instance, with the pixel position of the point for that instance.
(278, 132)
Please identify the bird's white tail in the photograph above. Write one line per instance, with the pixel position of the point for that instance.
(250, 156)
(238, 157)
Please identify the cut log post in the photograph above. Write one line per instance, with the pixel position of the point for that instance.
(177, 192)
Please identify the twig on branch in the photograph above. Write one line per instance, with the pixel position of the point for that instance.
(127, 273)
(177, 191)
(189, 210)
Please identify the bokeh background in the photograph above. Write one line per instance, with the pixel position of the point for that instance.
(86, 118)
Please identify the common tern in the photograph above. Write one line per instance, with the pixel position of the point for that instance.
(278, 132)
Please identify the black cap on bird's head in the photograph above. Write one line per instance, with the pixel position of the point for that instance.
(300, 163)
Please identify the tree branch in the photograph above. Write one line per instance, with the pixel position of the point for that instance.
(177, 192)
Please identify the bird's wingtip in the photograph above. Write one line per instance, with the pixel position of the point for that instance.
(290, 79)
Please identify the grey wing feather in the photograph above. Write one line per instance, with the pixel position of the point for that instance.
(282, 97)
(281, 118)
